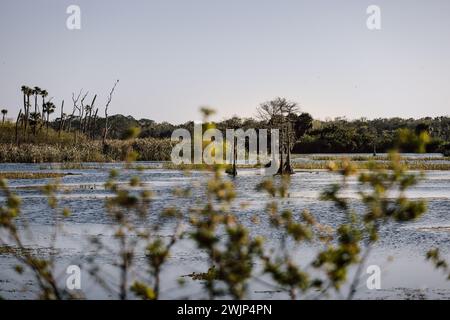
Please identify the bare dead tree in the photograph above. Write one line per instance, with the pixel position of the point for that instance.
(94, 124)
(75, 107)
(78, 108)
(277, 114)
(27, 92)
(88, 110)
(81, 111)
(61, 120)
(105, 132)
(89, 118)
(84, 121)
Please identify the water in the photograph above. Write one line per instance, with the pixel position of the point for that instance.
(400, 252)
(350, 155)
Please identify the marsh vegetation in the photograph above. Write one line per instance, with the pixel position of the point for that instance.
(154, 226)
(302, 236)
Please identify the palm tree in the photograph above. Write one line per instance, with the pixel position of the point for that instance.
(24, 92)
(27, 91)
(36, 91)
(35, 117)
(48, 109)
(45, 108)
(4, 112)
(44, 94)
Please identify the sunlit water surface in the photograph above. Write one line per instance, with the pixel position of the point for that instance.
(400, 252)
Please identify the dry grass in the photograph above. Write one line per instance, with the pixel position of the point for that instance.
(412, 165)
(53, 146)
(324, 165)
(30, 175)
(42, 137)
(369, 158)
(89, 151)
(434, 229)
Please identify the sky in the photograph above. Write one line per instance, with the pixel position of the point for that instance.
(173, 56)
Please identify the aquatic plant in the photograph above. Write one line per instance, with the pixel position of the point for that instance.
(434, 256)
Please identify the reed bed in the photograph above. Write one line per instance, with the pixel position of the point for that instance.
(89, 151)
(362, 165)
(31, 153)
(370, 157)
(30, 175)
(319, 165)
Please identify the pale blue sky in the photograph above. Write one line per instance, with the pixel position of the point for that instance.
(173, 56)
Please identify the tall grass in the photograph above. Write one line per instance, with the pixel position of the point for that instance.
(34, 153)
(30, 175)
(148, 149)
(89, 151)
(53, 146)
(43, 136)
(363, 165)
(370, 157)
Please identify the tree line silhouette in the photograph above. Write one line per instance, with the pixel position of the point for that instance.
(33, 116)
(299, 132)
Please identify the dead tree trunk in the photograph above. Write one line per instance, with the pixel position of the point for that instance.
(81, 113)
(105, 132)
(234, 173)
(89, 117)
(94, 124)
(27, 116)
(75, 108)
(288, 156)
(61, 120)
(17, 127)
(281, 167)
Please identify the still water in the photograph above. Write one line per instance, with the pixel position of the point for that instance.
(400, 252)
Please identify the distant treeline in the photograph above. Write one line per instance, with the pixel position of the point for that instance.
(341, 135)
(332, 136)
(299, 132)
